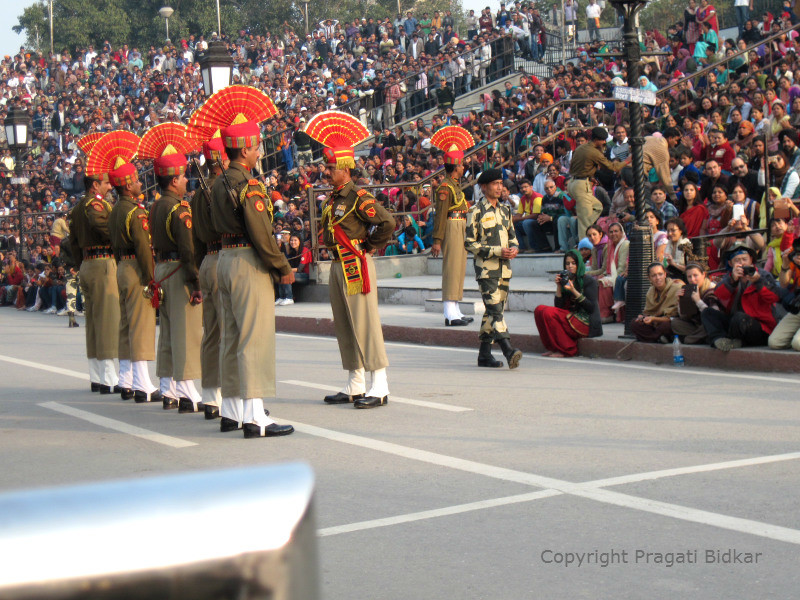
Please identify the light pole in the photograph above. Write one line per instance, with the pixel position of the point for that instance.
(166, 13)
(216, 68)
(50, 4)
(305, 5)
(641, 243)
(219, 21)
(17, 125)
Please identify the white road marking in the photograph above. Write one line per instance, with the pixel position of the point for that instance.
(731, 464)
(583, 490)
(392, 397)
(437, 512)
(115, 425)
(584, 361)
(42, 367)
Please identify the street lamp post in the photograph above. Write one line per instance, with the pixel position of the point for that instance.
(641, 245)
(305, 8)
(216, 68)
(166, 13)
(17, 125)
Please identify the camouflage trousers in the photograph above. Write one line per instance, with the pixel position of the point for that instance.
(494, 293)
(72, 293)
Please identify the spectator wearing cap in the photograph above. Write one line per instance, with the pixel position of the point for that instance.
(586, 159)
(748, 295)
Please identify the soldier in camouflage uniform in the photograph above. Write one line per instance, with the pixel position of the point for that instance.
(491, 239)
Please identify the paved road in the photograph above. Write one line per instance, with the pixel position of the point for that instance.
(471, 483)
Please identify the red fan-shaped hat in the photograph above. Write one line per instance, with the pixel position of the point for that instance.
(454, 140)
(88, 141)
(339, 132)
(167, 144)
(235, 110)
(111, 154)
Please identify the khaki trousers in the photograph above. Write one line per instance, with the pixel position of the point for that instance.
(247, 315)
(587, 207)
(101, 306)
(181, 330)
(209, 357)
(454, 260)
(357, 323)
(137, 322)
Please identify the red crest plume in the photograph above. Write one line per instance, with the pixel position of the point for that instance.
(88, 141)
(167, 138)
(110, 151)
(336, 129)
(232, 105)
(452, 138)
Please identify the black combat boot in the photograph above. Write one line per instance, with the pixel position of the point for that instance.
(485, 358)
(512, 354)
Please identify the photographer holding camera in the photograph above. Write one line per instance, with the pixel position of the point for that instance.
(576, 313)
(787, 332)
(748, 296)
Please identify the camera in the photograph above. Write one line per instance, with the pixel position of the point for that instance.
(563, 276)
(748, 270)
(794, 305)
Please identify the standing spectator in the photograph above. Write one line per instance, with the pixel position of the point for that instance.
(593, 10)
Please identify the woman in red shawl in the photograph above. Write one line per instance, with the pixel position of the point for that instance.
(708, 14)
(695, 217)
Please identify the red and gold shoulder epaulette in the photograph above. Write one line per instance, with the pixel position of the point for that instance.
(98, 205)
(185, 204)
(362, 192)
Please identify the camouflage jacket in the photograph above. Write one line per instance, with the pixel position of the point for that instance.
(489, 230)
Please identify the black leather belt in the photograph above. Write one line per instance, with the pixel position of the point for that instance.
(457, 214)
(214, 247)
(97, 252)
(234, 240)
(171, 255)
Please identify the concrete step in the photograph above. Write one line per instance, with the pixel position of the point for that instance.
(525, 265)
(467, 307)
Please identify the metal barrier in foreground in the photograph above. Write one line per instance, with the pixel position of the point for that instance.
(244, 534)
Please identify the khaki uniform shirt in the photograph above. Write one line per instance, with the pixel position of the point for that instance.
(489, 230)
(257, 211)
(171, 231)
(586, 159)
(89, 225)
(449, 197)
(203, 232)
(356, 211)
(129, 229)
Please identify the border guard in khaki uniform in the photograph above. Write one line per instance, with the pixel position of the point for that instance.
(180, 333)
(249, 264)
(91, 250)
(491, 239)
(130, 240)
(450, 222)
(207, 244)
(353, 225)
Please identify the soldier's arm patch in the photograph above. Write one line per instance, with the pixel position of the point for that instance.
(371, 212)
(443, 195)
(188, 223)
(185, 215)
(259, 205)
(366, 203)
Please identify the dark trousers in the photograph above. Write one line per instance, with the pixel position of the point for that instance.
(645, 332)
(739, 326)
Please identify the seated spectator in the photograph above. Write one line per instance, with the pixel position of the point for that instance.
(695, 215)
(787, 332)
(781, 241)
(740, 233)
(693, 298)
(528, 209)
(409, 241)
(13, 276)
(575, 315)
(616, 267)
(678, 250)
(598, 240)
(552, 210)
(661, 304)
(659, 235)
(585, 248)
(299, 257)
(658, 201)
(748, 296)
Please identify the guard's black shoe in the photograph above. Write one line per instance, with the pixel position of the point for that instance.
(169, 403)
(185, 405)
(468, 320)
(342, 398)
(211, 412)
(371, 402)
(95, 387)
(126, 393)
(107, 389)
(485, 358)
(119, 389)
(226, 424)
(454, 322)
(251, 430)
(140, 396)
(512, 355)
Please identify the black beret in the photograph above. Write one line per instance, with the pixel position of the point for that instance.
(490, 175)
(599, 133)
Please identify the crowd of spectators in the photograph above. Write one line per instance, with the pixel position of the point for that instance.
(728, 138)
